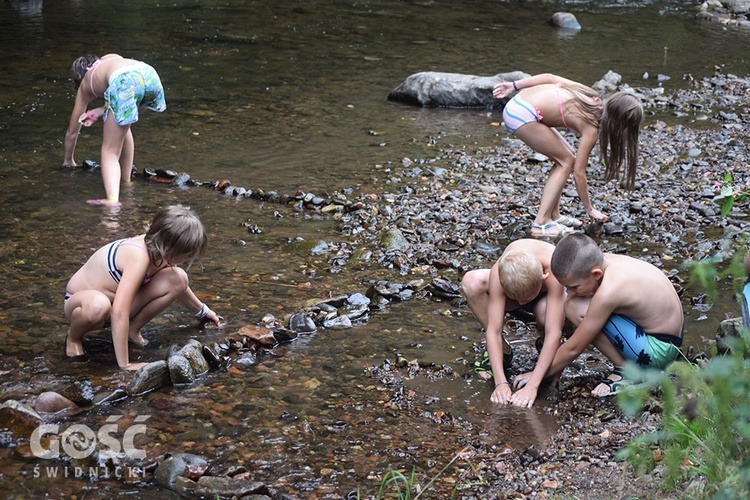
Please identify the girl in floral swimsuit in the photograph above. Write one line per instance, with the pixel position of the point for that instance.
(125, 85)
(545, 102)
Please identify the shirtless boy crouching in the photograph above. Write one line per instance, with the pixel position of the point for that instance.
(625, 307)
(520, 277)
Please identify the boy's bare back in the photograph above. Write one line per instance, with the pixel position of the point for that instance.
(641, 292)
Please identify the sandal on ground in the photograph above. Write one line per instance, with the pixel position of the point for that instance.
(569, 221)
(80, 358)
(484, 365)
(613, 385)
(554, 228)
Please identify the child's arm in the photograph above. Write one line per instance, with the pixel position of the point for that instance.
(132, 278)
(200, 309)
(504, 89)
(494, 336)
(74, 128)
(554, 318)
(600, 308)
(585, 146)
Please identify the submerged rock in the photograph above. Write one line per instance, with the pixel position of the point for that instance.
(52, 402)
(451, 90)
(148, 378)
(167, 471)
(19, 419)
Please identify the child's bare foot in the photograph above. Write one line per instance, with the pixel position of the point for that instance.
(138, 340)
(74, 350)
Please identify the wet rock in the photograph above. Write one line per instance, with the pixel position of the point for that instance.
(452, 90)
(229, 487)
(148, 378)
(261, 334)
(52, 402)
(167, 472)
(81, 392)
(320, 248)
(338, 322)
(300, 322)
(393, 239)
(728, 329)
(193, 352)
(180, 370)
(565, 20)
(111, 397)
(212, 354)
(19, 419)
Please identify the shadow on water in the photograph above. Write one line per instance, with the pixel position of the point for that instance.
(281, 97)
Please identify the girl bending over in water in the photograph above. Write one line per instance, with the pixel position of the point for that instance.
(129, 281)
(547, 101)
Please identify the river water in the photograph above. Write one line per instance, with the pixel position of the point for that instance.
(281, 96)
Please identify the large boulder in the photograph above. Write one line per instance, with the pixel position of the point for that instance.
(452, 90)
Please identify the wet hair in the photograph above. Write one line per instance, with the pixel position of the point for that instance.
(575, 256)
(176, 231)
(619, 127)
(520, 274)
(619, 119)
(81, 66)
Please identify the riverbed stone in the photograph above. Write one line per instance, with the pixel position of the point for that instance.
(229, 487)
(180, 370)
(167, 471)
(565, 20)
(19, 419)
(393, 239)
(728, 329)
(433, 89)
(52, 402)
(300, 322)
(193, 352)
(149, 377)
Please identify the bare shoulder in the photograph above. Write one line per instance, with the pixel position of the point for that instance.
(540, 249)
(630, 275)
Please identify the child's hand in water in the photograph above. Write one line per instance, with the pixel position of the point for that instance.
(501, 394)
(217, 320)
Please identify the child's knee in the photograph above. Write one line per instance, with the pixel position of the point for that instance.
(179, 279)
(472, 284)
(98, 308)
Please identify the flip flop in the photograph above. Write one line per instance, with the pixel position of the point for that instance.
(561, 230)
(613, 385)
(484, 365)
(569, 221)
(80, 358)
(105, 203)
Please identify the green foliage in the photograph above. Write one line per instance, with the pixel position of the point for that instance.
(704, 439)
(397, 484)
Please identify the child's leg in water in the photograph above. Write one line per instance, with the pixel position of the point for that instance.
(87, 310)
(113, 143)
(550, 143)
(153, 298)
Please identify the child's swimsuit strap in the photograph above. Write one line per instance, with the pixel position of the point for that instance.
(559, 103)
(91, 70)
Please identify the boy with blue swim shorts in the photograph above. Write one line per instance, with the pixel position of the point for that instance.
(626, 307)
(745, 298)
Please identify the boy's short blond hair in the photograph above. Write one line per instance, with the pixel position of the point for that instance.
(520, 274)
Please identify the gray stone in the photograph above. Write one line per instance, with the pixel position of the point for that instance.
(148, 378)
(227, 487)
(167, 471)
(452, 90)
(729, 328)
(300, 322)
(565, 20)
(180, 370)
(393, 239)
(193, 352)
